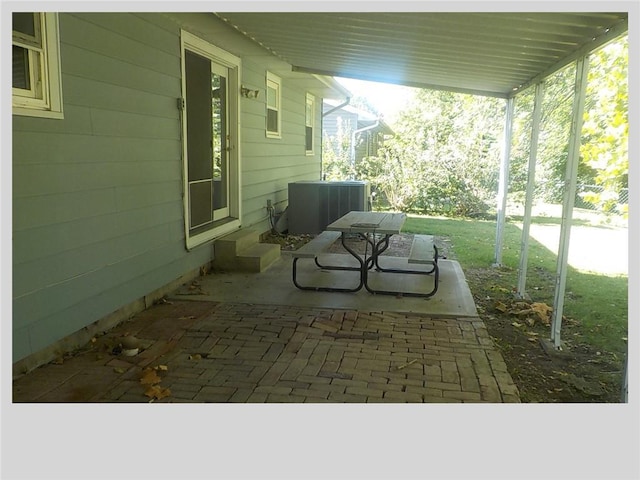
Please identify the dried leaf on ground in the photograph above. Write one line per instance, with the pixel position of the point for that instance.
(517, 325)
(162, 368)
(497, 288)
(501, 307)
(157, 392)
(543, 311)
(149, 377)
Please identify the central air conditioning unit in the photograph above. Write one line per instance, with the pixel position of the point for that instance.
(315, 204)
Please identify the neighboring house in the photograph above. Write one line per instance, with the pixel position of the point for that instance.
(138, 139)
(364, 131)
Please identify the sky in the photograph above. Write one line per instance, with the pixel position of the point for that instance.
(387, 98)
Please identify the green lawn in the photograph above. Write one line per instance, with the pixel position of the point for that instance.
(597, 301)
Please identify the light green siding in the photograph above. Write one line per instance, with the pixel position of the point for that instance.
(97, 196)
(269, 164)
(98, 215)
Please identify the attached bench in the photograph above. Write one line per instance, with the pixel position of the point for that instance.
(317, 245)
(312, 249)
(424, 252)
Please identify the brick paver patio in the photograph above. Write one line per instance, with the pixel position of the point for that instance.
(223, 352)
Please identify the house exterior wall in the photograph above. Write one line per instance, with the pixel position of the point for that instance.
(269, 164)
(98, 216)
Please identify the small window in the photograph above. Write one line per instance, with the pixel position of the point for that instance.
(309, 123)
(273, 106)
(36, 85)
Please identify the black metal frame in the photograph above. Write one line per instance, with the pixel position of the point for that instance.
(377, 249)
(366, 264)
(331, 267)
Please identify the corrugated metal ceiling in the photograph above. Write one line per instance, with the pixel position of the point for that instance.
(495, 54)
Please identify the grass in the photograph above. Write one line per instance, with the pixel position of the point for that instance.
(599, 302)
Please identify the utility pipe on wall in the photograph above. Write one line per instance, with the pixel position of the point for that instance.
(337, 107)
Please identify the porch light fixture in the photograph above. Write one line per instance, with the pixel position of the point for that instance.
(248, 93)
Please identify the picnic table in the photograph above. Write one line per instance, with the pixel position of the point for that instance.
(376, 229)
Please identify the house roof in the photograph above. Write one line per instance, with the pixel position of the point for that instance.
(363, 118)
(485, 53)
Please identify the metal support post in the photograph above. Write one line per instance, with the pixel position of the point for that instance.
(504, 181)
(571, 174)
(531, 181)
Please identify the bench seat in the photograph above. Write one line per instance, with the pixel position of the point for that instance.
(423, 250)
(314, 248)
(317, 245)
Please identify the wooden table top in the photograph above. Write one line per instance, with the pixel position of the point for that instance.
(388, 223)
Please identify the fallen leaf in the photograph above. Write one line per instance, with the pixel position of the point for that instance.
(516, 324)
(149, 377)
(532, 339)
(162, 368)
(118, 370)
(501, 307)
(530, 321)
(157, 392)
(196, 356)
(543, 311)
(499, 289)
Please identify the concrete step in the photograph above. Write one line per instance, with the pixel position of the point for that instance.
(258, 257)
(240, 251)
(227, 248)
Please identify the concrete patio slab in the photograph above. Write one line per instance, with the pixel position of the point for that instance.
(275, 287)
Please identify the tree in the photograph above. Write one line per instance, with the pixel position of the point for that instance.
(604, 159)
(336, 154)
(606, 125)
(444, 156)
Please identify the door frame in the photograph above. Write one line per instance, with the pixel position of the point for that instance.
(221, 227)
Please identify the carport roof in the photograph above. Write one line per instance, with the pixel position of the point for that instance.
(485, 53)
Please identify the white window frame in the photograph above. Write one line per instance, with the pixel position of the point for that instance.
(274, 82)
(44, 98)
(310, 121)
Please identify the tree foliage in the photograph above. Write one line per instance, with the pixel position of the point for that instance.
(445, 156)
(606, 125)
